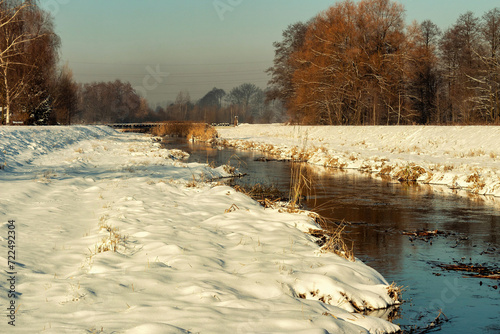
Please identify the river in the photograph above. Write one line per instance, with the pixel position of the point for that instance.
(377, 212)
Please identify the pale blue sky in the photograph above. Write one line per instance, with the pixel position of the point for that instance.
(199, 43)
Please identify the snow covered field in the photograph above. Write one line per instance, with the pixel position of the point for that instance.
(458, 157)
(116, 235)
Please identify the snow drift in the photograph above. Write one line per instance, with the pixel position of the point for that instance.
(459, 157)
(116, 234)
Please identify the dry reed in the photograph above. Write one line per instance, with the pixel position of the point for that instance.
(190, 130)
(332, 239)
(300, 185)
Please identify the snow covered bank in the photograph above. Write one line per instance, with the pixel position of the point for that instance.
(116, 234)
(459, 157)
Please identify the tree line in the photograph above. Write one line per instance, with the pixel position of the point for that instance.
(246, 101)
(118, 102)
(33, 88)
(359, 63)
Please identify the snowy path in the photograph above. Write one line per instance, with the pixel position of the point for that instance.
(190, 256)
(459, 157)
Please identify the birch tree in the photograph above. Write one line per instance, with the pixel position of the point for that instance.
(28, 58)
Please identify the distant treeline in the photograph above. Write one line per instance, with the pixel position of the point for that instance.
(117, 102)
(359, 63)
(34, 89)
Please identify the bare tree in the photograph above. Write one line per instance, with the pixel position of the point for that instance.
(281, 83)
(66, 100)
(182, 105)
(241, 97)
(12, 40)
(28, 58)
(111, 102)
(425, 72)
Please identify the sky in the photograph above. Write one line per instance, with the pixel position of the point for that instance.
(163, 47)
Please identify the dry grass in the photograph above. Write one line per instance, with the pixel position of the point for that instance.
(201, 132)
(46, 177)
(300, 185)
(267, 196)
(192, 131)
(477, 182)
(410, 173)
(448, 168)
(192, 184)
(386, 170)
(395, 292)
(476, 153)
(233, 208)
(332, 239)
(228, 169)
(332, 162)
(179, 129)
(111, 241)
(300, 155)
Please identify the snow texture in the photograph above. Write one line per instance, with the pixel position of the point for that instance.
(117, 235)
(458, 157)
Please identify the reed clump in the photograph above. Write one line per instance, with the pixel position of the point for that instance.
(174, 129)
(267, 195)
(190, 130)
(410, 173)
(332, 239)
(300, 185)
(395, 292)
(201, 132)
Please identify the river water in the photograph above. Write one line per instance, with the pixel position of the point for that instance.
(377, 212)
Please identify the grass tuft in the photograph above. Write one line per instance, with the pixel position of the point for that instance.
(332, 239)
(267, 196)
(300, 185)
(395, 292)
(109, 242)
(410, 173)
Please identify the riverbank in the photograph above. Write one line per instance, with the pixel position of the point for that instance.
(458, 157)
(116, 234)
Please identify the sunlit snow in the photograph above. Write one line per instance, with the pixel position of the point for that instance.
(116, 234)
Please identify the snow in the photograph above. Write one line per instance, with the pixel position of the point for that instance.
(458, 157)
(117, 235)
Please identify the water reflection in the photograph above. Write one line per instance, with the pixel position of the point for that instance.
(378, 210)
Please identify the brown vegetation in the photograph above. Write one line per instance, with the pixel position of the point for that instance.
(332, 240)
(190, 130)
(410, 173)
(359, 63)
(475, 270)
(28, 62)
(267, 196)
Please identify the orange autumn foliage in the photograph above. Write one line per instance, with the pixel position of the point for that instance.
(354, 66)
